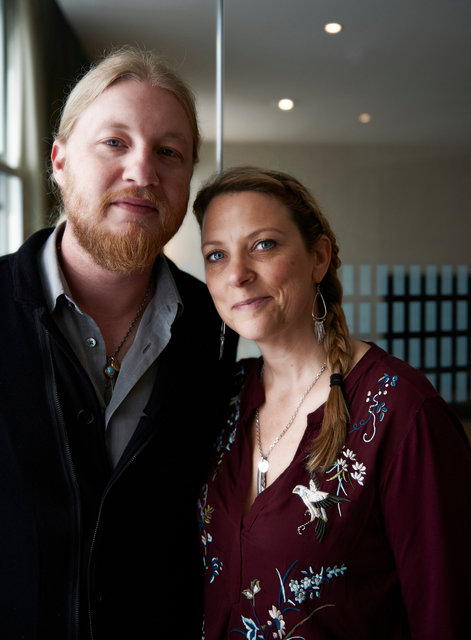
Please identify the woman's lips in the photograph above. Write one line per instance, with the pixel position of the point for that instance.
(250, 303)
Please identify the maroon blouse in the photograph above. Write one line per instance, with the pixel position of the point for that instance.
(379, 546)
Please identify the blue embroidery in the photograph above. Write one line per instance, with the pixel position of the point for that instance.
(377, 409)
(308, 587)
(228, 434)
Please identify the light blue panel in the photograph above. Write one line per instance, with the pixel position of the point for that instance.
(431, 287)
(349, 315)
(446, 386)
(461, 389)
(365, 280)
(446, 309)
(415, 280)
(462, 351)
(430, 352)
(446, 352)
(414, 316)
(398, 348)
(447, 279)
(398, 317)
(365, 318)
(462, 278)
(433, 379)
(382, 280)
(430, 316)
(414, 352)
(462, 315)
(348, 279)
(382, 317)
(383, 344)
(399, 281)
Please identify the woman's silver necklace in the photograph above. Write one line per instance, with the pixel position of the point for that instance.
(113, 365)
(263, 464)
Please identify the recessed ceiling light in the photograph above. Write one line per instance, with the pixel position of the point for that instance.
(364, 118)
(333, 27)
(285, 104)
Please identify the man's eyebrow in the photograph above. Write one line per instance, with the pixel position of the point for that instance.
(118, 124)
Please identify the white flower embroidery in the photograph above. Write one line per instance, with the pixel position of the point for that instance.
(279, 622)
(359, 472)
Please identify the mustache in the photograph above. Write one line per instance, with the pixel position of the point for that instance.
(132, 192)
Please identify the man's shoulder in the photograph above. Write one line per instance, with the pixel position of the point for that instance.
(187, 284)
(20, 268)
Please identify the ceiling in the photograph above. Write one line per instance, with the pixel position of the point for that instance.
(406, 62)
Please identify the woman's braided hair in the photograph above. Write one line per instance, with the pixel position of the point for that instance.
(312, 224)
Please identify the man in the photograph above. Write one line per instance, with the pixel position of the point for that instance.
(109, 375)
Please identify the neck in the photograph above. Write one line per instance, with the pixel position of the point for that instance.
(292, 367)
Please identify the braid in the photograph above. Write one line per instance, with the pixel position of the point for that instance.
(338, 347)
(331, 439)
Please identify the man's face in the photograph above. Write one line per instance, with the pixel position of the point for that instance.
(124, 174)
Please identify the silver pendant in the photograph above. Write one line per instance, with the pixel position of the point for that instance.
(263, 467)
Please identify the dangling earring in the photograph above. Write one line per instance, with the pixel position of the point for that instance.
(222, 338)
(319, 320)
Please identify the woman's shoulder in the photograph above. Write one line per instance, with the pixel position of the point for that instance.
(374, 366)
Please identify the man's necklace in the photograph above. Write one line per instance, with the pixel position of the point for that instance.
(113, 365)
(263, 464)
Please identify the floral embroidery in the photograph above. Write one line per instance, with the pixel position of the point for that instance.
(317, 502)
(214, 565)
(227, 436)
(306, 588)
(377, 408)
(346, 470)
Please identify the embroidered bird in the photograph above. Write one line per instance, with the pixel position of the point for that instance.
(316, 502)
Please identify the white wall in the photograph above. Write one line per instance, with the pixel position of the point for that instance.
(387, 204)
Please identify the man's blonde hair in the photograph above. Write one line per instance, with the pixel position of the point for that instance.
(127, 63)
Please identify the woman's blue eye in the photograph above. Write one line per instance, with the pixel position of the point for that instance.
(215, 256)
(265, 244)
(113, 142)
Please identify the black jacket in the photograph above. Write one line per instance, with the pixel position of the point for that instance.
(87, 551)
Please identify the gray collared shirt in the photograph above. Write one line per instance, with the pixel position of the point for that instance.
(138, 367)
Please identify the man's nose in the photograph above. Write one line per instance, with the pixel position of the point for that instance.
(141, 167)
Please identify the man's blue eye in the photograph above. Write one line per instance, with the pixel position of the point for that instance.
(167, 152)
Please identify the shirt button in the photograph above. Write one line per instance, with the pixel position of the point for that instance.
(91, 342)
(85, 417)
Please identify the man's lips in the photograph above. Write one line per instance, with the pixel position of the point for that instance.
(140, 205)
(250, 303)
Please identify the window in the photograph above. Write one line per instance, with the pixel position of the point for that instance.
(11, 183)
(421, 314)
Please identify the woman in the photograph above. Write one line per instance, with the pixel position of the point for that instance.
(338, 504)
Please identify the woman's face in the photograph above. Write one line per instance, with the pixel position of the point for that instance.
(258, 270)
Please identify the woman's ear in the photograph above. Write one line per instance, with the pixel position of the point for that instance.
(322, 254)
(58, 162)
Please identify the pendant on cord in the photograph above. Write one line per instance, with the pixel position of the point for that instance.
(112, 368)
(263, 467)
(111, 373)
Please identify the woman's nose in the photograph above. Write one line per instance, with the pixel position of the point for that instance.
(240, 272)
